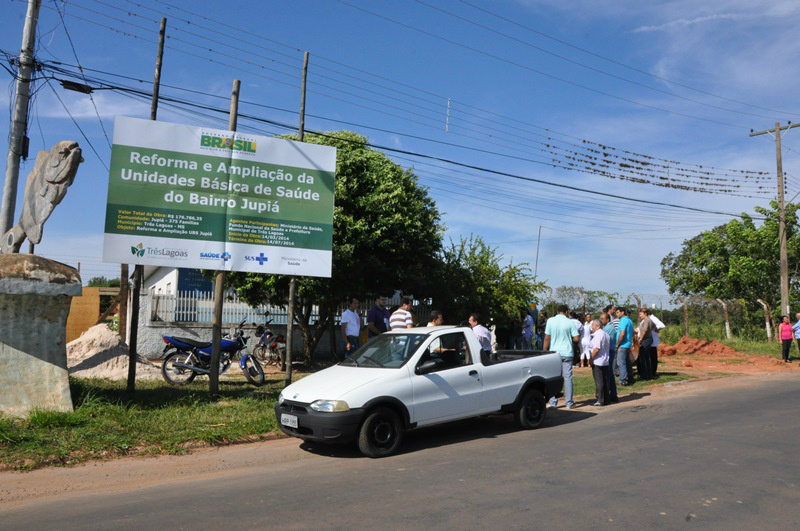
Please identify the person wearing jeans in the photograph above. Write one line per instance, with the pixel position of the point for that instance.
(561, 334)
(623, 347)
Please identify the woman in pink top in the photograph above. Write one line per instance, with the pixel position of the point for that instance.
(786, 338)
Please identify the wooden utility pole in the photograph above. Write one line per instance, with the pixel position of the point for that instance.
(138, 271)
(123, 301)
(17, 140)
(219, 279)
(538, 241)
(292, 282)
(781, 213)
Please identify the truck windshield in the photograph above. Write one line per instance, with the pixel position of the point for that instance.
(387, 351)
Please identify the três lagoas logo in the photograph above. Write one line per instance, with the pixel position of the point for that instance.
(138, 250)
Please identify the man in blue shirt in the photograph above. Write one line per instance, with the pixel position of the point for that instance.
(560, 335)
(796, 329)
(624, 344)
(608, 328)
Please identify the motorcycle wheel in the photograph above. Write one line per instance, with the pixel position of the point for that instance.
(177, 375)
(260, 353)
(253, 371)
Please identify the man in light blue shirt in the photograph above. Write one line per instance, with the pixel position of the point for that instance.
(560, 335)
(624, 345)
(796, 330)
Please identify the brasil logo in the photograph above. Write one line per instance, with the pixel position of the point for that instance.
(246, 146)
(138, 250)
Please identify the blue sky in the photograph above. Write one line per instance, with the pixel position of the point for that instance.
(680, 81)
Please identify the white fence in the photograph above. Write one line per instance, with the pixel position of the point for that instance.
(198, 307)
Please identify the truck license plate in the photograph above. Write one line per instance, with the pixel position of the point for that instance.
(289, 420)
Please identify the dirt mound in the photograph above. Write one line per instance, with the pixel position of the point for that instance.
(690, 345)
(100, 353)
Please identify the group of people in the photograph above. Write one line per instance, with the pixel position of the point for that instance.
(380, 319)
(607, 345)
(788, 332)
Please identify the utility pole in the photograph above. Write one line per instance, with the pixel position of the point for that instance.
(17, 145)
(781, 213)
(292, 282)
(138, 271)
(538, 241)
(219, 280)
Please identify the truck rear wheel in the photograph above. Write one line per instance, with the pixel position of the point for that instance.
(531, 411)
(381, 433)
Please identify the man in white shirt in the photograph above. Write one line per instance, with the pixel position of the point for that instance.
(401, 318)
(351, 327)
(659, 326)
(481, 332)
(600, 356)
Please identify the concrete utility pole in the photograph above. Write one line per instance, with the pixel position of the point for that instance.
(138, 271)
(292, 283)
(19, 122)
(781, 213)
(219, 280)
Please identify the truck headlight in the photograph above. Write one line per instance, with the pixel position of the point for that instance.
(330, 406)
(280, 399)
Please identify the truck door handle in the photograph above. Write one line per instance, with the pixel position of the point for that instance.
(473, 372)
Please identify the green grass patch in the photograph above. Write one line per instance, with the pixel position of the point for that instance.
(109, 422)
(583, 383)
(759, 348)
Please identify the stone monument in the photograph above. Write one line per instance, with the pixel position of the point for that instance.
(35, 295)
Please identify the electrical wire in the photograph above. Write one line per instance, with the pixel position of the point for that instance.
(75, 54)
(66, 109)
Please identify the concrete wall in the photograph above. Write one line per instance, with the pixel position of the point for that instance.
(151, 344)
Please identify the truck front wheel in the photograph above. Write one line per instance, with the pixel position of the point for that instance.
(531, 410)
(380, 433)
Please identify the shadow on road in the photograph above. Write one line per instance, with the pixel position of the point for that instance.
(486, 427)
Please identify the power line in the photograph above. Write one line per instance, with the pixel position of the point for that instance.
(588, 67)
(619, 63)
(75, 54)
(536, 71)
(352, 103)
(77, 125)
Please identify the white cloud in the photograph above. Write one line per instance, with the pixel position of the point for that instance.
(683, 22)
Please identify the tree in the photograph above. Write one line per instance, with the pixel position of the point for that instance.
(103, 282)
(738, 260)
(386, 235)
(470, 278)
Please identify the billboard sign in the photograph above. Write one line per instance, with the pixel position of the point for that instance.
(187, 196)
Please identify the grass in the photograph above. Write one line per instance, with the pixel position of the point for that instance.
(109, 422)
(159, 419)
(583, 383)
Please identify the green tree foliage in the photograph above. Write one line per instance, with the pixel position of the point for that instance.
(738, 260)
(386, 236)
(471, 278)
(103, 282)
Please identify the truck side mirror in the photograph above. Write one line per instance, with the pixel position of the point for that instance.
(426, 367)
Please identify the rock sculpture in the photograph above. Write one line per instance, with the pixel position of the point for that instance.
(47, 185)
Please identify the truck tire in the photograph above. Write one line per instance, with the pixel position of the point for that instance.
(381, 433)
(531, 411)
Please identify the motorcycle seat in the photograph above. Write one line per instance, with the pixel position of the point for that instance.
(193, 343)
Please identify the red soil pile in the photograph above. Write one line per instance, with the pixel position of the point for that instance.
(690, 345)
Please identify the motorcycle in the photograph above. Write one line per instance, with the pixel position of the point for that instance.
(271, 348)
(185, 358)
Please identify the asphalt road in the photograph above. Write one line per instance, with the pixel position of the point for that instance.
(698, 456)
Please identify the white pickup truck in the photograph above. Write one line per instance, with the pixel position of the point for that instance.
(417, 377)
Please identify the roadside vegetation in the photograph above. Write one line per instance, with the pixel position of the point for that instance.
(108, 422)
(158, 419)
